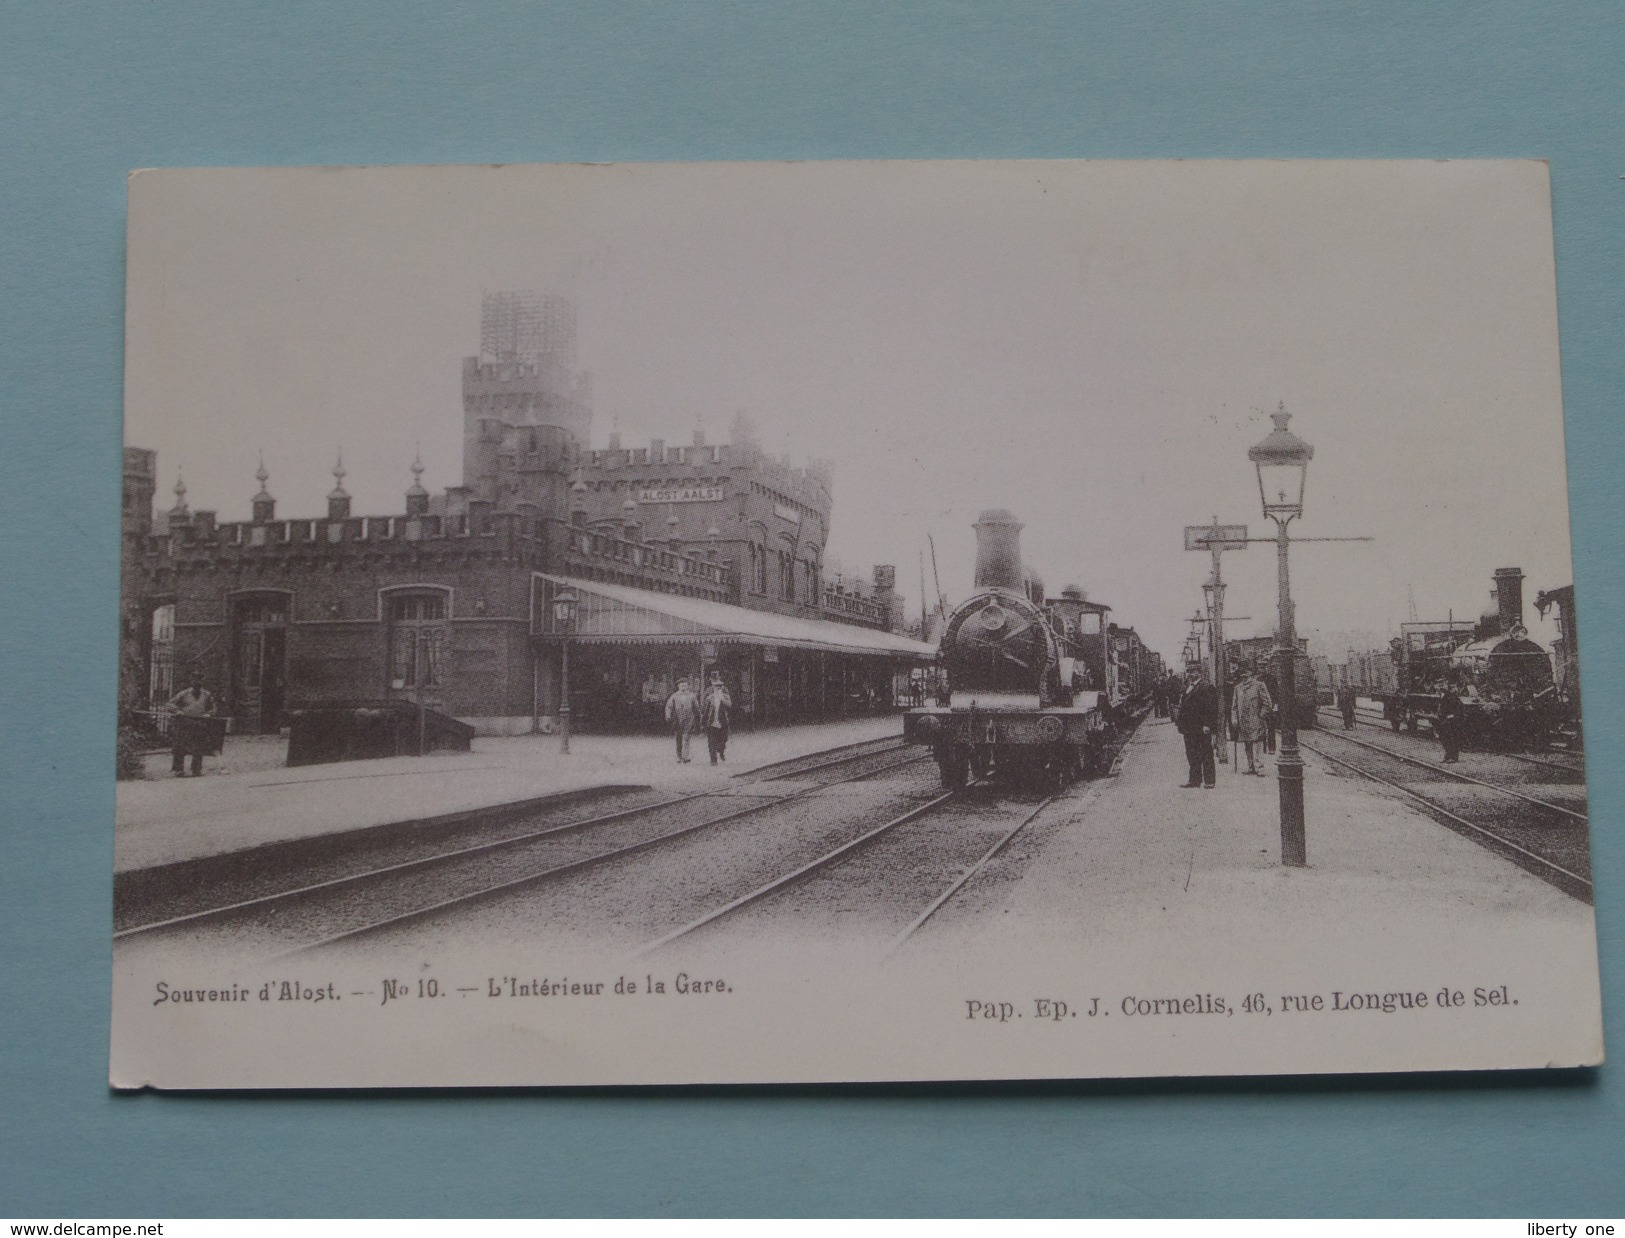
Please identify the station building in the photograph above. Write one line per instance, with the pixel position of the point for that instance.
(685, 559)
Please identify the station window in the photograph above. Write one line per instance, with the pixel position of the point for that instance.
(758, 568)
(418, 637)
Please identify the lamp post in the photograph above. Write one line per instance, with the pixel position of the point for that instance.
(1193, 640)
(1213, 592)
(564, 618)
(1282, 461)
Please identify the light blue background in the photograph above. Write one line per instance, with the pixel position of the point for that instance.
(89, 91)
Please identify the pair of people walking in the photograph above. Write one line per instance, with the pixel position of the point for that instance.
(686, 713)
(1197, 717)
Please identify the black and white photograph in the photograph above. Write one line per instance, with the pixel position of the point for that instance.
(846, 622)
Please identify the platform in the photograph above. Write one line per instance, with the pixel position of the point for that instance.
(248, 798)
(1150, 859)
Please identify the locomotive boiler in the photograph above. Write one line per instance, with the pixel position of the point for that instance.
(1036, 688)
(1509, 695)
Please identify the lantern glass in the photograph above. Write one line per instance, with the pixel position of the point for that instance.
(1281, 488)
(564, 607)
(1282, 460)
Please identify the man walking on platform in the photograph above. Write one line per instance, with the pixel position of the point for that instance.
(1272, 722)
(1251, 706)
(1198, 719)
(717, 713)
(682, 714)
(1345, 705)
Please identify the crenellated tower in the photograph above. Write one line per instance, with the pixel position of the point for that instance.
(527, 410)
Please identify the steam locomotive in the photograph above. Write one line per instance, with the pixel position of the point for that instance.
(1037, 689)
(1509, 695)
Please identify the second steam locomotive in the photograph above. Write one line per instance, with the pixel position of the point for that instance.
(1038, 689)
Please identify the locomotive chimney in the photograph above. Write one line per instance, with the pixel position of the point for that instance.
(998, 550)
(1509, 597)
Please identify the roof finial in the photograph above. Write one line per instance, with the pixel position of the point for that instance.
(261, 476)
(180, 491)
(417, 489)
(339, 492)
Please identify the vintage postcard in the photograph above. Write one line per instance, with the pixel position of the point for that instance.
(715, 623)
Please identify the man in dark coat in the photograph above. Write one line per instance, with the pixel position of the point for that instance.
(1448, 726)
(717, 713)
(1345, 705)
(1198, 719)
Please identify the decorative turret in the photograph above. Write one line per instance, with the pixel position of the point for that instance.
(631, 526)
(417, 498)
(264, 506)
(338, 499)
(180, 516)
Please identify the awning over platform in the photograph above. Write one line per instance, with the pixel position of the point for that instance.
(619, 614)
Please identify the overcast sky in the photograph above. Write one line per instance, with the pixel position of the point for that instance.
(1094, 345)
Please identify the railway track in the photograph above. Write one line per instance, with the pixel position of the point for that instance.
(1547, 839)
(1552, 760)
(845, 858)
(485, 867)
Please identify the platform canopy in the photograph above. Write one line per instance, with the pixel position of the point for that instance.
(618, 614)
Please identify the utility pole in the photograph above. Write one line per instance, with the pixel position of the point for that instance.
(1217, 538)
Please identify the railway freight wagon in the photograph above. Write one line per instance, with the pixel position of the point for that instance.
(1036, 689)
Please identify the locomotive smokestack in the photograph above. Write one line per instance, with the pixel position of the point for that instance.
(1509, 597)
(998, 550)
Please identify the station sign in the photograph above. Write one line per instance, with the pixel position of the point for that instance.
(682, 494)
(1215, 537)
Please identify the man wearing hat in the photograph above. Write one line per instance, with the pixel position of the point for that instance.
(682, 713)
(1197, 719)
(717, 713)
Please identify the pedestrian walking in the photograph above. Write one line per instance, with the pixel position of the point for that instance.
(1449, 724)
(682, 715)
(1345, 705)
(1198, 718)
(717, 713)
(1272, 723)
(189, 735)
(1251, 706)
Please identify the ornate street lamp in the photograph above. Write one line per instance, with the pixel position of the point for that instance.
(1282, 461)
(564, 618)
